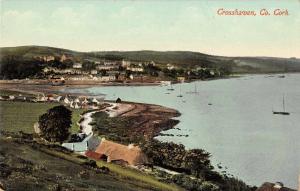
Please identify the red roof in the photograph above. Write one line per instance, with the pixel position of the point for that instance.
(93, 155)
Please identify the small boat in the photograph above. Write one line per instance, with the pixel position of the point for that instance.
(281, 76)
(281, 112)
(171, 88)
(180, 95)
(195, 90)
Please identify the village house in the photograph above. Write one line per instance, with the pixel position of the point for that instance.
(63, 58)
(170, 67)
(129, 155)
(181, 79)
(110, 63)
(47, 58)
(106, 67)
(107, 78)
(94, 72)
(89, 143)
(112, 72)
(56, 81)
(125, 63)
(278, 186)
(135, 69)
(77, 65)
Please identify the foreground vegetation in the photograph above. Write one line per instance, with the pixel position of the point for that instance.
(13, 121)
(34, 169)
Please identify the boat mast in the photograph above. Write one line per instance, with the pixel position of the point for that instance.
(283, 103)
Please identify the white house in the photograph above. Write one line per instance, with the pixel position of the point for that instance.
(11, 97)
(135, 69)
(107, 78)
(77, 65)
(125, 63)
(94, 72)
(66, 100)
(106, 67)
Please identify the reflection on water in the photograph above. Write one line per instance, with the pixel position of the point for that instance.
(233, 120)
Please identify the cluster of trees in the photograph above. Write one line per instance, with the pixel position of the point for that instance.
(152, 70)
(175, 157)
(56, 63)
(12, 67)
(190, 163)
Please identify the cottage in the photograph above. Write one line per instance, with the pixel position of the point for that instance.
(63, 58)
(89, 143)
(57, 81)
(132, 155)
(110, 63)
(95, 101)
(12, 97)
(42, 98)
(135, 69)
(107, 78)
(85, 101)
(76, 106)
(46, 58)
(94, 72)
(94, 155)
(278, 186)
(181, 79)
(58, 98)
(165, 83)
(66, 100)
(170, 67)
(131, 76)
(50, 98)
(107, 67)
(77, 100)
(77, 65)
(125, 63)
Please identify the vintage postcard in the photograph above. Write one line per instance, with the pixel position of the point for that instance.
(130, 95)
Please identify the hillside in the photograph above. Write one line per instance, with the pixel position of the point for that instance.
(28, 165)
(185, 59)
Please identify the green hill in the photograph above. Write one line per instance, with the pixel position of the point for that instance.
(185, 59)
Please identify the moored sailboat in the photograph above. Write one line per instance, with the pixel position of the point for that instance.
(282, 112)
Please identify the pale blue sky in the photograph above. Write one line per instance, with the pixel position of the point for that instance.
(153, 25)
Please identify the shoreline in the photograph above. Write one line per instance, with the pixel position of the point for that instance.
(153, 122)
(43, 86)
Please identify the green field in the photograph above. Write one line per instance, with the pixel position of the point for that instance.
(20, 116)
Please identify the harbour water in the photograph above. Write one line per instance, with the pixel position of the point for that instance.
(233, 120)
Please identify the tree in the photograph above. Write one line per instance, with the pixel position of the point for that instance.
(87, 66)
(55, 124)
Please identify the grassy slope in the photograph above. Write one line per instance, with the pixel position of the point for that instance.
(180, 58)
(42, 169)
(20, 116)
